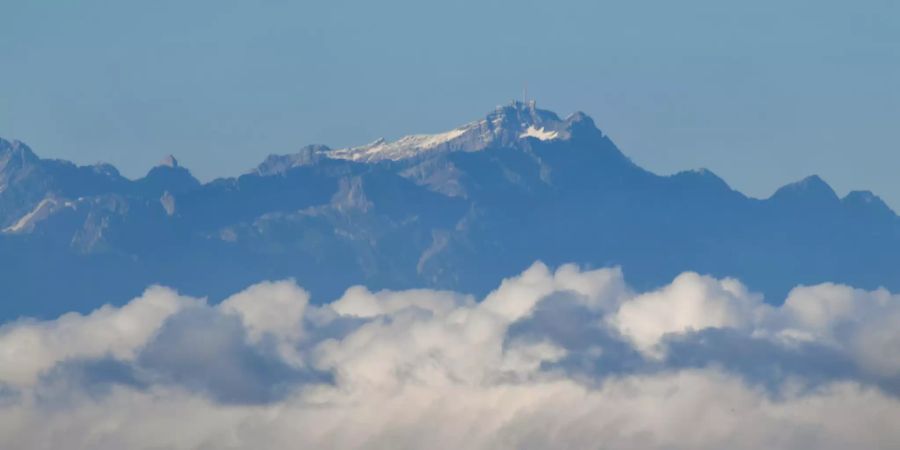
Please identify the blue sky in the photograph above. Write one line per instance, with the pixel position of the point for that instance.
(762, 92)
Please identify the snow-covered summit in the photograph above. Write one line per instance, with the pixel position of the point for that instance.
(507, 126)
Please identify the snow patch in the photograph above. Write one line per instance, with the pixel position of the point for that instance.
(539, 133)
(40, 212)
(402, 148)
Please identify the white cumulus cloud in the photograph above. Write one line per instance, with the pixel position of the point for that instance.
(553, 358)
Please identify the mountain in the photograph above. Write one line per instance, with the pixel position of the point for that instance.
(452, 210)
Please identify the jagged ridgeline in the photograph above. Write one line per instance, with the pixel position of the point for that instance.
(454, 210)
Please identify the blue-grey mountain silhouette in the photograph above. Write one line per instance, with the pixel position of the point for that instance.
(454, 210)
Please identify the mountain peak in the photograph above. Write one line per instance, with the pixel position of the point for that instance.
(15, 157)
(812, 188)
(169, 161)
(867, 202)
(169, 176)
(511, 125)
(16, 149)
(529, 107)
(813, 184)
(280, 164)
(518, 115)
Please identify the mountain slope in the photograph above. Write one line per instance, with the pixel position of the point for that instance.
(452, 210)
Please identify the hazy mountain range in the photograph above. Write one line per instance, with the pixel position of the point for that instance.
(456, 210)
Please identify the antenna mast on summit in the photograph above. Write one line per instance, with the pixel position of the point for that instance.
(525, 94)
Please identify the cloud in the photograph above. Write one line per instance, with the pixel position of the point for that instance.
(692, 302)
(564, 358)
(28, 348)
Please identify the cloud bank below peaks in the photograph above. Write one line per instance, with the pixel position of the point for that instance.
(563, 358)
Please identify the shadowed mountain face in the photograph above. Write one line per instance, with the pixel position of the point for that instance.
(455, 210)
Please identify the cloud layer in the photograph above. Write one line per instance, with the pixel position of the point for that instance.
(564, 358)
